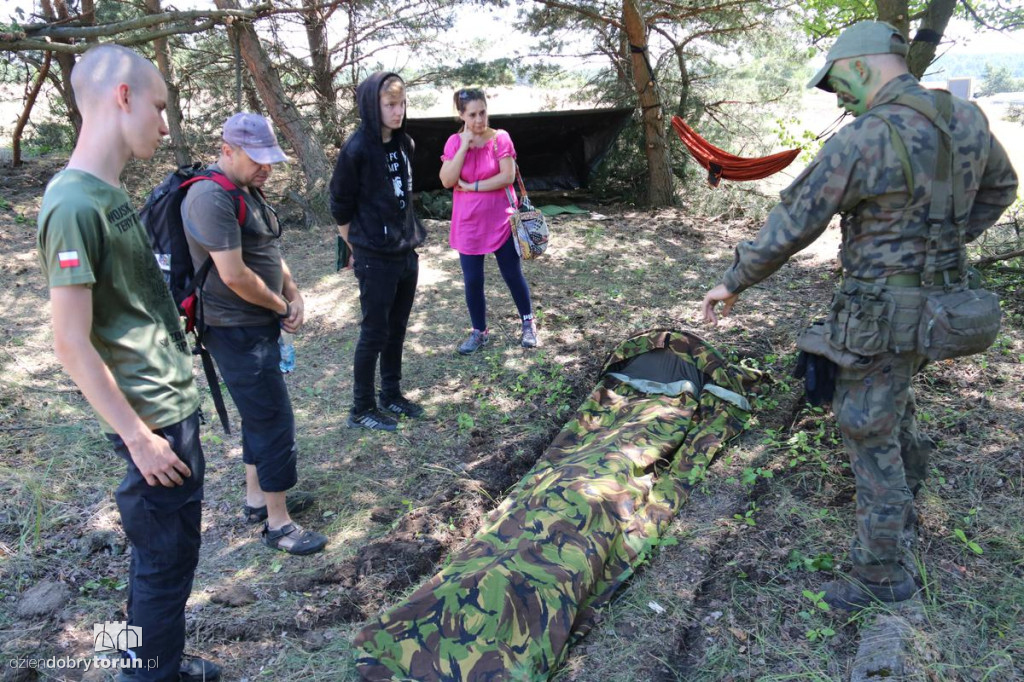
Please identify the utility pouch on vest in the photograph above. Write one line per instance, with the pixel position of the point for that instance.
(958, 323)
(860, 322)
(815, 340)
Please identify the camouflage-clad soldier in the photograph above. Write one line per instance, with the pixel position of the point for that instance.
(879, 173)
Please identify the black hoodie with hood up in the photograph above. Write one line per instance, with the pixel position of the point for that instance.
(362, 193)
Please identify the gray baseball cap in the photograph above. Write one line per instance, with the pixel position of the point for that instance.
(253, 133)
(863, 38)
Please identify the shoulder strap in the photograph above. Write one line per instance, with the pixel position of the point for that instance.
(226, 185)
(904, 156)
(946, 183)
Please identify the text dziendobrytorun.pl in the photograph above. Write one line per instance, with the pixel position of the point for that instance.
(90, 663)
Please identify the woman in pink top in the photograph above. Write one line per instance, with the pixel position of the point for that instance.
(479, 164)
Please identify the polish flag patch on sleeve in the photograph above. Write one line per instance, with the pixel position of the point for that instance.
(68, 259)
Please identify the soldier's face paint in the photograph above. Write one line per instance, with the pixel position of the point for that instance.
(850, 86)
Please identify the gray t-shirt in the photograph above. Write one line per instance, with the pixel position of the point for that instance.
(211, 224)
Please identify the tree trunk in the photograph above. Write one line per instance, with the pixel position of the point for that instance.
(182, 156)
(936, 18)
(684, 83)
(659, 187)
(29, 103)
(66, 61)
(894, 12)
(295, 129)
(323, 81)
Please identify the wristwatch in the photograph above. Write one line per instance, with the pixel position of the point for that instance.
(287, 309)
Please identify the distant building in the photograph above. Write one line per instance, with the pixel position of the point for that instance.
(961, 87)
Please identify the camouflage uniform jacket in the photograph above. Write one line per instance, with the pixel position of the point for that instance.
(859, 174)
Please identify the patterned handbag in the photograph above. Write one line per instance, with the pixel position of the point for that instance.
(529, 228)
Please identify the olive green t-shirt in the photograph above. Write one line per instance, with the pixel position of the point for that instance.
(90, 235)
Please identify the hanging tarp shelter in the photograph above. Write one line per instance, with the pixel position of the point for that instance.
(557, 150)
(508, 606)
(720, 164)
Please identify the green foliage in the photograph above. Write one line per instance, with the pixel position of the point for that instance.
(747, 517)
(823, 561)
(997, 79)
(436, 204)
(818, 599)
(464, 421)
(960, 535)
(1015, 113)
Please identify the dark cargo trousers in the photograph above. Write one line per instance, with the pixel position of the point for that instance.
(387, 288)
(875, 409)
(249, 360)
(163, 527)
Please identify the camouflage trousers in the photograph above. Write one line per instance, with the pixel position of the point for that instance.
(874, 406)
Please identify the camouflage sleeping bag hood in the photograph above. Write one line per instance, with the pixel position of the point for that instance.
(569, 534)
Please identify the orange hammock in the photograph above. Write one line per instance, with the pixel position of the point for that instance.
(721, 164)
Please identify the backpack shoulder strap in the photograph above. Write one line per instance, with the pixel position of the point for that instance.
(226, 185)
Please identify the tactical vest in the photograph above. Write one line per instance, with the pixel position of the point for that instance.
(955, 320)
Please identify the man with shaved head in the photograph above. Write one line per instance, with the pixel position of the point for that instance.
(118, 335)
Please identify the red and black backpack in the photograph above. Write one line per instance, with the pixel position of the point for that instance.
(161, 216)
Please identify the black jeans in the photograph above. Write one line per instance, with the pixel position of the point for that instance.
(387, 287)
(163, 526)
(249, 361)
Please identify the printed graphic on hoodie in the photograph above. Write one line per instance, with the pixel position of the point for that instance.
(394, 155)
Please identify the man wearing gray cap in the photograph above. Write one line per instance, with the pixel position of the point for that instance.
(916, 176)
(247, 298)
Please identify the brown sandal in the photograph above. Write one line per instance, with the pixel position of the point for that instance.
(303, 541)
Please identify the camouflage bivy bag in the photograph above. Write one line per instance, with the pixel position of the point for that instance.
(574, 529)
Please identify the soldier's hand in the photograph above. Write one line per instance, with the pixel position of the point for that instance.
(712, 298)
(157, 462)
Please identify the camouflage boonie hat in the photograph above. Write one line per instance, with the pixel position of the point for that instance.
(863, 38)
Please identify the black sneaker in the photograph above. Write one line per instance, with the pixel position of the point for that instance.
(401, 406)
(192, 669)
(372, 419)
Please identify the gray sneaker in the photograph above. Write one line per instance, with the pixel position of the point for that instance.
(477, 340)
(529, 337)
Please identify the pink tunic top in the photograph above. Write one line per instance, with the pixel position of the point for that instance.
(480, 219)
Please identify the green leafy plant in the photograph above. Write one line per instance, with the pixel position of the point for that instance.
(747, 517)
(960, 535)
(820, 634)
(818, 599)
(821, 562)
(464, 421)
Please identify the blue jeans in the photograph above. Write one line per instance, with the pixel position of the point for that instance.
(387, 287)
(511, 269)
(163, 527)
(249, 361)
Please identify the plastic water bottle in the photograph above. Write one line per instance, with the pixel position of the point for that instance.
(287, 352)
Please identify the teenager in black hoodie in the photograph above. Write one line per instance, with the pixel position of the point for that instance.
(371, 198)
